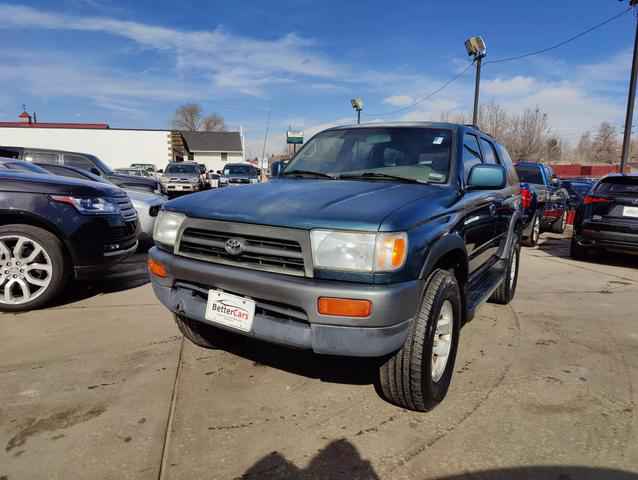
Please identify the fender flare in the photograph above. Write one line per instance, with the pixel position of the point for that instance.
(442, 246)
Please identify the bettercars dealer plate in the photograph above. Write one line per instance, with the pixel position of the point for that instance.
(230, 310)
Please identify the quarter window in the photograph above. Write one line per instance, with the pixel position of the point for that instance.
(489, 154)
(471, 153)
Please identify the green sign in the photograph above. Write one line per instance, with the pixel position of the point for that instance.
(295, 138)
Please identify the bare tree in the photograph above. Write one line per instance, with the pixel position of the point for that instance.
(528, 135)
(494, 120)
(583, 151)
(190, 118)
(605, 145)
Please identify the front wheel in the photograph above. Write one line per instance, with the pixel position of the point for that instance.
(418, 376)
(33, 270)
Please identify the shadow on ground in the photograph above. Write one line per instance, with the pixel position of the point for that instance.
(129, 273)
(558, 246)
(340, 460)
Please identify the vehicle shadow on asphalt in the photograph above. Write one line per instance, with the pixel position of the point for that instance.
(340, 460)
(130, 273)
(327, 368)
(558, 246)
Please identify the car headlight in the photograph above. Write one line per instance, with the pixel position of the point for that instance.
(89, 205)
(167, 227)
(358, 251)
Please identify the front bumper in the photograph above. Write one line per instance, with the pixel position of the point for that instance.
(286, 310)
(181, 188)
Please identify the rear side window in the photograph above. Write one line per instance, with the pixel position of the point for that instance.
(78, 161)
(619, 186)
(42, 157)
(489, 154)
(471, 153)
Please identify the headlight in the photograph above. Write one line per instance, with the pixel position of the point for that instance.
(166, 227)
(89, 206)
(358, 251)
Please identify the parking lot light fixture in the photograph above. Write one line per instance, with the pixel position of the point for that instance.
(357, 104)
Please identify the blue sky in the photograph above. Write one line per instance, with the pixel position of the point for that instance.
(130, 64)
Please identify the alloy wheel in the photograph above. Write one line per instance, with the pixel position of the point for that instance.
(442, 340)
(26, 269)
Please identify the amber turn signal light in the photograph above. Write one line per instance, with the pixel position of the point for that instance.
(344, 307)
(156, 268)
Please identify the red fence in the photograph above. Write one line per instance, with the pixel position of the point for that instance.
(579, 170)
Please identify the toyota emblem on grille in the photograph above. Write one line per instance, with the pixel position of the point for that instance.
(234, 246)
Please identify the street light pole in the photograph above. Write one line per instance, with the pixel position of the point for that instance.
(477, 86)
(357, 104)
(631, 99)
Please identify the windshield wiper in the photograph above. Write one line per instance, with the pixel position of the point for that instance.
(308, 173)
(381, 176)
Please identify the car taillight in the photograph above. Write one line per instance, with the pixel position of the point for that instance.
(526, 198)
(589, 199)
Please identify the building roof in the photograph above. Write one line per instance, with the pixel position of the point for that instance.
(54, 125)
(213, 141)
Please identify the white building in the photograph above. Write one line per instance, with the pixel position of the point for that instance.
(120, 147)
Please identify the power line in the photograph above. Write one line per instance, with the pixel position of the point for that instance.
(426, 97)
(564, 42)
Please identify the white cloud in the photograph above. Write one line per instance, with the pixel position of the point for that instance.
(517, 85)
(399, 100)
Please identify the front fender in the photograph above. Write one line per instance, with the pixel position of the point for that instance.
(444, 245)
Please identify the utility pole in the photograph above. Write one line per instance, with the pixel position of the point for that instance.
(631, 99)
(476, 48)
(263, 151)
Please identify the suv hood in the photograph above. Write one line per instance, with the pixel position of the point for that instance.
(55, 185)
(309, 203)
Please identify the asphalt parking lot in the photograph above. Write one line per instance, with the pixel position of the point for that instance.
(103, 387)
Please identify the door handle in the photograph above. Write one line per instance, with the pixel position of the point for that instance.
(492, 209)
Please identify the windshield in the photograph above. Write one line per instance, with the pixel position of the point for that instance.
(414, 153)
(238, 170)
(181, 168)
(529, 175)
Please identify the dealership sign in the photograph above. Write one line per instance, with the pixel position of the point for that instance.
(295, 137)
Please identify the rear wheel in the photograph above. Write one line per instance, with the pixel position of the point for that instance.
(535, 232)
(559, 225)
(203, 334)
(33, 269)
(504, 294)
(418, 376)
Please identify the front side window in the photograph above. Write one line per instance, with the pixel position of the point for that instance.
(413, 153)
(78, 161)
(471, 153)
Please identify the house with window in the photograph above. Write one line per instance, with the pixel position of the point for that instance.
(214, 149)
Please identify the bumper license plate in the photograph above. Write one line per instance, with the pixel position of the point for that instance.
(230, 310)
(630, 212)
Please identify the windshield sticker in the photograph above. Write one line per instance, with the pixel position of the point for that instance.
(438, 140)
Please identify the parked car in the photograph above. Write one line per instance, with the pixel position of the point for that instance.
(53, 229)
(607, 219)
(181, 177)
(214, 180)
(549, 201)
(576, 189)
(135, 172)
(149, 168)
(277, 167)
(376, 241)
(146, 204)
(241, 174)
(83, 161)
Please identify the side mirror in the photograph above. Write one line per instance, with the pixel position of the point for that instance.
(95, 171)
(487, 177)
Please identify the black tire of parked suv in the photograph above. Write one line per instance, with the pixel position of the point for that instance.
(204, 335)
(577, 252)
(559, 225)
(535, 232)
(405, 378)
(505, 292)
(60, 267)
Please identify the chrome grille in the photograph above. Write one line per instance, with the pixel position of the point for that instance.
(127, 210)
(274, 252)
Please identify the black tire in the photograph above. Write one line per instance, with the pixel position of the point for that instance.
(405, 378)
(577, 252)
(559, 225)
(204, 335)
(505, 292)
(534, 233)
(60, 266)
